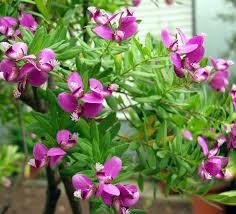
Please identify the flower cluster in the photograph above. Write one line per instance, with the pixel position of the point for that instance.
(92, 102)
(231, 131)
(214, 165)
(43, 156)
(188, 57)
(122, 197)
(7, 24)
(114, 27)
(219, 80)
(34, 73)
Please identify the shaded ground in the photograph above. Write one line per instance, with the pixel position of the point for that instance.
(30, 198)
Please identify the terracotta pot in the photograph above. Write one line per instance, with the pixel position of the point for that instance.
(201, 207)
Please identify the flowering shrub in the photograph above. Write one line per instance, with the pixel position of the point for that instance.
(75, 88)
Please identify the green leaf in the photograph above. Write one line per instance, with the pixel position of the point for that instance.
(112, 102)
(68, 54)
(118, 150)
(149, 99)
(108, 122)
(27, 35)
(137, 211)
(94, 133)
(228, 198)
(83, 128)
(41, 5)
(37, 44)
(140, 182)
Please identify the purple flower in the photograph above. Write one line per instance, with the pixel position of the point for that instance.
(136, 2)
(18, 51)
(28, 21)
(110, 171)
(92, 101)
(187, 134)
(46, 60)
(6, 25)
(98, 18)
(233, 94)
(129, 196)
(215, 165)
(32, 75)
(9, 69)
(233, 91)
(232, 138)
(202, 74)
(84, 186)
(187, 56)
(66, 140)
(42, 156)
(219, 80)
(221, 64)
(55, 155)
(127, 27)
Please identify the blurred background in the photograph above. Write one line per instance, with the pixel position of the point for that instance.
(215, 18)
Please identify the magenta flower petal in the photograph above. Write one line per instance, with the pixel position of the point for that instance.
(9, 69)
(179, 72)
(187, 134)
(55, 152)
(75, 83)
(201, 75)
(28, 21)
(63, 136)
(176, 60)
(187, 49)
(112, 167)
(10, 20)
(219, 80)
(169, 39)
(46, 55)
(46, 58)
(83, 184)
(129, 28)
(81, 181)
(224, 160)
(26, 68)
(213, 166)
(129, 195)
(107, 198)
(203, 144)
(66, 140)
(91, 109)
(17, 51)
(91, 98)
(40, 151)
(182, 36)
(37, 78)
(97, 89)
(104, 32)
(95, 84)
(111, 189)
(214, 150)
(67, 102)
(54, 160)
(220, 64)
(196, 55)
(196, 40)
